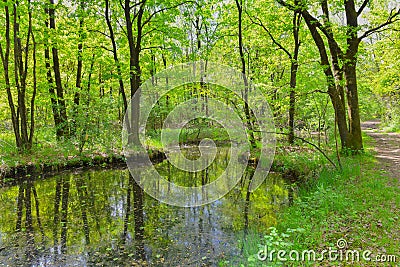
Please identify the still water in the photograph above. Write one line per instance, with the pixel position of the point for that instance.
(102, 218)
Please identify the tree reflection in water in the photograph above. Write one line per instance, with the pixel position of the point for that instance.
(103, 217)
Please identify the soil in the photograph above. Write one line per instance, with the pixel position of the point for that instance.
(387, 148)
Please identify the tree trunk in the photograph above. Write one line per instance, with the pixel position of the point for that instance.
(350, 64)
(78, 79)
(249, 124)
(334, 94)
(19, 114)
(20, 79)
(350, 134)
(355, 137)
(293, 75)
(62, 128)
(5, 58)
(53, 99)
(134, 67)
(32, 127)
(115, 55)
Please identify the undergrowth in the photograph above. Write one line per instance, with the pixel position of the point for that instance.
(358, 206)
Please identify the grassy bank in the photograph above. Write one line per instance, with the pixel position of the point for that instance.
(54, 157)
(46, 150)
(359, 204)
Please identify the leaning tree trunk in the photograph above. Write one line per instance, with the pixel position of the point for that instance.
(334, 94)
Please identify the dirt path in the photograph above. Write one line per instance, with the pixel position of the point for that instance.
(387, 147)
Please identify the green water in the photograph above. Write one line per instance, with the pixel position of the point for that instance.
(102, 218)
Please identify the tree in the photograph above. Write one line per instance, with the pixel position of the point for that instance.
(144, 14)
(78, 80)
(107, 15)
(239, 5)
(294, 65)
(341, 69)
(57, 96)
(20, 50)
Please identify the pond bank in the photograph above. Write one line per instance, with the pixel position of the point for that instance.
(94, 217)
(359, 206)
(52, 166)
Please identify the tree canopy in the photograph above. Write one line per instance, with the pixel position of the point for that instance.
(73, 65)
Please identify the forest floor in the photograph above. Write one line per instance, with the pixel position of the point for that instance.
(387, 148)
(359, 205)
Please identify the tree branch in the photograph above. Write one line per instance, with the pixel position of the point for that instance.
(259, 23)
(108, 49)
(155, 47)
(391, 19)
(98, 31)
(164, 9)
(308, 17)
(314, 91)
(360, 10)
(313, 145)
(137, 4)
(285, 4)
(150, 31)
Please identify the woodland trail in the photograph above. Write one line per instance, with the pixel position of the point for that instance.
(387, 147)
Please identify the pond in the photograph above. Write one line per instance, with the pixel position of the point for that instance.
(102, 217)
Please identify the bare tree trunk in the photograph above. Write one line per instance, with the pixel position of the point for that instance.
(20, 78)
(355, 141)
(5, 58)
(53, 99)
(32, 127)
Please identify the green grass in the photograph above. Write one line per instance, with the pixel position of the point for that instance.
(393, 128)
(391, 125)
(47, 150)
(359, 204)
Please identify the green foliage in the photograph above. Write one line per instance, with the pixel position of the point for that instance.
(273, 241)
(336, 201)
(380, 82)
(333, 206)
(187, 31)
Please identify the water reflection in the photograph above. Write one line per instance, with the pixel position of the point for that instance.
(103, 218)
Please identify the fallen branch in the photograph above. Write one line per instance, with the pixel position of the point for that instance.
(313, 145)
